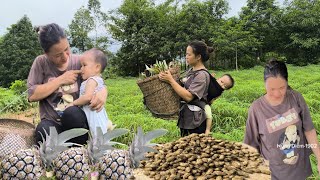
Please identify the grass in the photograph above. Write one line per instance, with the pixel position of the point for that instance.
(125, 107)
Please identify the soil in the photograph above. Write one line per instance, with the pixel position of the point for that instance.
(29, 115)
(138, 174)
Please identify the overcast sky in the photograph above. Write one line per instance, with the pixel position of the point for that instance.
(42, 12)
(61, 12)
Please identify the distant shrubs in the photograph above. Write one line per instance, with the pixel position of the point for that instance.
(19, 87)
(14, 99)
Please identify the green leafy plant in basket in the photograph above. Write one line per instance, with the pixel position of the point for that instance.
(158, 67)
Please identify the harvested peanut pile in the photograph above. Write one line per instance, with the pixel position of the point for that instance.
(202, 157)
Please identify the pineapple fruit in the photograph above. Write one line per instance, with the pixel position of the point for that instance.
(77, 163)
(33, 163)
(24, 164)
(101, 157)
(115, 164)
(119, 164)
(72, 163)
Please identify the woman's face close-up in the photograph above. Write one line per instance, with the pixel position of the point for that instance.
(190, 56)
(59, 53)
(276, 88)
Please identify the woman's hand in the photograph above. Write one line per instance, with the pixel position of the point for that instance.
(166, 77)
(69, 77)
(98, 100)
(313, 141)
(181, 91)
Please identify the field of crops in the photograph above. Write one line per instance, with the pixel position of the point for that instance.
(125, 107)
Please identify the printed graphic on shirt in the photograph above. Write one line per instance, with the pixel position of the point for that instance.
(288, 143)
(66, 96)
(68, 88)
(282, 121)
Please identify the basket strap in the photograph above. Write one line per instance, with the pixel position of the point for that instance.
(156, 113)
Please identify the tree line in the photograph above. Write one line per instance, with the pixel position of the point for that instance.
(150, 30)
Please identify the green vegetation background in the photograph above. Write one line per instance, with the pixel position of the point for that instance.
(125, 108)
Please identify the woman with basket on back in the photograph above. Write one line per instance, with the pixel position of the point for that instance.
(192, 119)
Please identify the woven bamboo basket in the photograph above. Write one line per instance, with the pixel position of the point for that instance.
(159, 97)
(15, 135)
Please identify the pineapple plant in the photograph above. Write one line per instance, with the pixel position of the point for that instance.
(33, 163)
(77, 163)
(119, 164)
(72, 163)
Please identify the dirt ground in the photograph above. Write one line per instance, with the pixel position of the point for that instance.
(29, 115)
(138, 173)
(32, 116)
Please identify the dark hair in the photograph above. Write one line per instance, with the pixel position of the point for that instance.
(275, 68)
(201, 48)
(50, 35)
(99, 57)
(231, 79)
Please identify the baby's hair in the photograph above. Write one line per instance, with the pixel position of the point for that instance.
(231, 79)
(99, 57)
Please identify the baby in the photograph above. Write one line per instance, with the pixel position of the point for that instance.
(226, 82)
(93, 63)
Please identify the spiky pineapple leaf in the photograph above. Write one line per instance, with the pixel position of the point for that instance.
(96, 139)
(139, 137)
(107, 137)
(138, 140)
(137, 160)
(106, 147)
(53, 134)
(69, 134)
(154, 134)
(99, 143)
(139, 154)
(46, 133)
(43, 139)
(145, 149)
(59, 149)
(140, 144)
(53, 143)
(112, 143)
